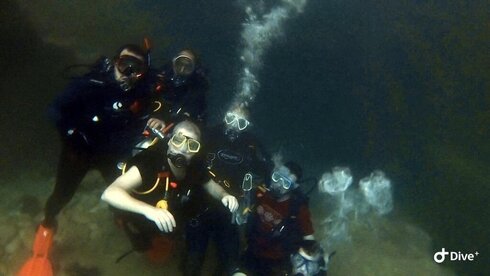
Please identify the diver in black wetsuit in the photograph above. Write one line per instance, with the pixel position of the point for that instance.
(183, 84)
(235, 160)
(100, 117)
(147, 198)
(164, 184)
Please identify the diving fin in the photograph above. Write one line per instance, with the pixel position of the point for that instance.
(39, 264)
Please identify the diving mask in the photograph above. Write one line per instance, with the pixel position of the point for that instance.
(183, 65)
(131, 66)
(180, 140)
(281, 176)
(233, 119)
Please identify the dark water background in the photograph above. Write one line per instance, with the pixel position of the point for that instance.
(401, 86)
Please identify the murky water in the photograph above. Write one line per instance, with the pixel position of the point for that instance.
(396, 86)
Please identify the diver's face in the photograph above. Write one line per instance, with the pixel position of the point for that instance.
(282, 182)
(184, 142)
(232, 133)
(235, 125)
(128, 69)
(184, 64)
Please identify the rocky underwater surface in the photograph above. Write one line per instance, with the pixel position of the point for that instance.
(88, 241)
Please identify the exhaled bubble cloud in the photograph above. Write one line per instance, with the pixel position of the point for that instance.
(374, 194)
(259, 31)
(353, 222)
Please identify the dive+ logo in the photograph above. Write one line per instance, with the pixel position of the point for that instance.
(440, 256)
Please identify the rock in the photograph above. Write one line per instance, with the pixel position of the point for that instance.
(76, 269)
(7, 233)
(13, 245)
(30, 205)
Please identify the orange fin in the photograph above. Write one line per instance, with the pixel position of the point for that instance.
(39, 264)
(36, 266)
(43, 241)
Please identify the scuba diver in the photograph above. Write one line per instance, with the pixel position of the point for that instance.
(234, 159)
(280, 226)
(183, 85)
(146, 197)
(160, 186)
(100, 117)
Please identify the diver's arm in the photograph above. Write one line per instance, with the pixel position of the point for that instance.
(214, 189)
(305, 223)
(217, 192)
(118, 195)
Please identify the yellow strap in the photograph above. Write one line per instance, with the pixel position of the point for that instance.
(150, 190)
(224, 182)
(227, 184)
(246, 210)
(262, 189)
(159, 106)
(146, 192)
(153, 142)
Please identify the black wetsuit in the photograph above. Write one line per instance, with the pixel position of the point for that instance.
(183, 98)
(228, 161)
(160, 184)
(99, 124)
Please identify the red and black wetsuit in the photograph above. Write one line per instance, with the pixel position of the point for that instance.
(275, 231)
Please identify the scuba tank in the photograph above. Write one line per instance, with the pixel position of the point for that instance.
(149, 138)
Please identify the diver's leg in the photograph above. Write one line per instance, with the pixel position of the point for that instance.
(72, 167)
(196, 239)
(135, 231)
(253, 265)
(227, 240)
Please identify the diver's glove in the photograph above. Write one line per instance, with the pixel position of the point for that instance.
(231, 202)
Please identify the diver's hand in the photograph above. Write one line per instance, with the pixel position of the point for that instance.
(231, 202)
(156, 124)
(162, 218)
